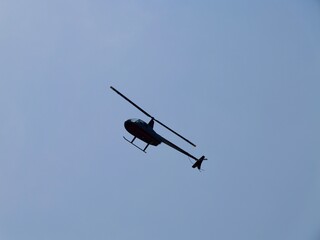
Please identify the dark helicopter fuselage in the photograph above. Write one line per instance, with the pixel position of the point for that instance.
(143, 131)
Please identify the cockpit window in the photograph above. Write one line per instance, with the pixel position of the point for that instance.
(136, 120)
(139, 121)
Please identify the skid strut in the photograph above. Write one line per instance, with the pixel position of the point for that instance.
(131, 142)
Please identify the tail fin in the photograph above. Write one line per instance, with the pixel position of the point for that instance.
(198, 163)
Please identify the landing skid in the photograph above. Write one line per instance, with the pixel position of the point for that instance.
(131, 142)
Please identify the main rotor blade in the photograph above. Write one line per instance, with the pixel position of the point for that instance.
(174, 132)
(131, 102)
(151, 116)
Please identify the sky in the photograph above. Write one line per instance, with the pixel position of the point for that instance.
(240, 79)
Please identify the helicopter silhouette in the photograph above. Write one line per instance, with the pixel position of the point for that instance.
(144, 131)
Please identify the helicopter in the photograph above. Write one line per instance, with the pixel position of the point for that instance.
(144, 131)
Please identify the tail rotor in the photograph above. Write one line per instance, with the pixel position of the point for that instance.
(198, 163)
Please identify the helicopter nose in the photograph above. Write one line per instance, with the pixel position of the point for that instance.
(128, 124)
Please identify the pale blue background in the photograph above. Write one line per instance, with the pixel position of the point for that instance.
(239, 78)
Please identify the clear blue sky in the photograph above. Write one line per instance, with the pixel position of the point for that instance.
(238, 78)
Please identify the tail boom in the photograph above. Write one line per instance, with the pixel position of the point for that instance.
(198, 162)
